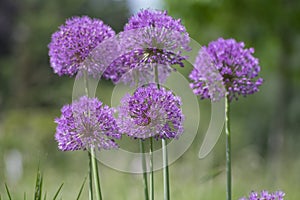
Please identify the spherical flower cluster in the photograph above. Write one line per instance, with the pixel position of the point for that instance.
(151, 112)
(151, 39)
(74, 41)
(86, 123)
(265, 195)
(236, 64)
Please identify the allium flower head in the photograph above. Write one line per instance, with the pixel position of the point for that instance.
(236, 64)
(265, 195)
(86, 123)
(73, 43)
(151, 112)
(151, 39)
(154, 18)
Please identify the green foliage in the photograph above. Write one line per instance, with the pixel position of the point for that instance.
(39, 188)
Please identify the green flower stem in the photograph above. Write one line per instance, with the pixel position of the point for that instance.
(93, 165)
(96, 175)
(151, 170)
(91, 197)
(165, 154)
(90, 177)
(165, 170)
(142, 150)
(228, 147)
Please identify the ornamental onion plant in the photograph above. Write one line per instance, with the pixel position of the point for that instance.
(154, 43)
(83, 125)
(238, 69)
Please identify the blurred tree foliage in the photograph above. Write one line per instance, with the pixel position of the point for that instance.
(273, 28)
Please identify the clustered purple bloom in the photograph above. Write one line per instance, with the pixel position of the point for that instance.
(86, 123)
(151, 112)
(155, 18)
(236, 64)
(265, 195)
(73, 43)
(151, 39)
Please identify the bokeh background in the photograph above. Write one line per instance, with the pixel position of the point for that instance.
(265, 126)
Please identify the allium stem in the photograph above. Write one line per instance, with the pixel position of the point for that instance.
(142, 150)
(91, 197)
(165, 154)
(90, 177)
(228, 147)
(165, 170)
(151, 170)
(96, 175)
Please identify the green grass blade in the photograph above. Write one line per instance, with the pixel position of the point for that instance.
(24, 196)
(45, 196)
(59, 189)
(80, 191)
(8, 193)
(38, 186)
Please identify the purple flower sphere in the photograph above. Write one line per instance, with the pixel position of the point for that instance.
(151, 39)
(265, 195)
(86, 123)
(151, 112)
(236, 65)
(74, 41)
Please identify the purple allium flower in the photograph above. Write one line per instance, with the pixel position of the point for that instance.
(86, 123)
(265, 195)
(155, 18)
(73, 43)
(151, 39)
(151, 112)
(236, 64)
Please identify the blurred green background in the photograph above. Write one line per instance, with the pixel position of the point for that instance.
(265, 126)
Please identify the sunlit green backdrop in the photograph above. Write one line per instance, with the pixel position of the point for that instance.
(265, 126)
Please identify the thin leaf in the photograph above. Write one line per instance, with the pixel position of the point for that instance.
(24, 196)
(81, 188)
(8, 193)
(38, 186)
(59, 189)
(45, 196)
